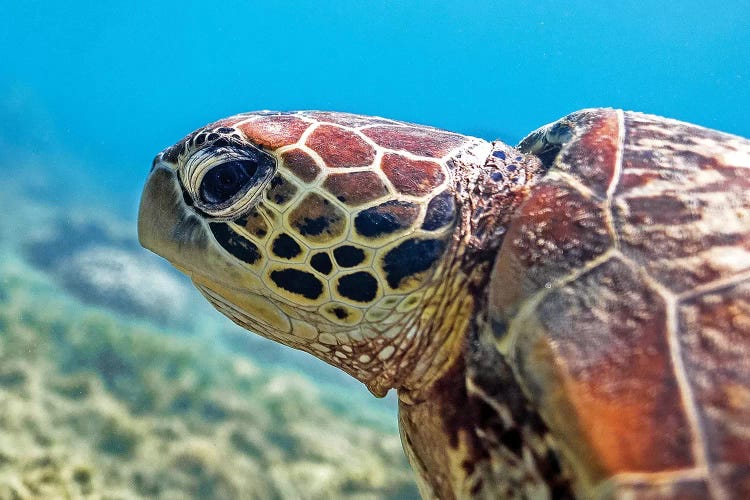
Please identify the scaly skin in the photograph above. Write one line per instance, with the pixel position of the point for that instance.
(521, 303)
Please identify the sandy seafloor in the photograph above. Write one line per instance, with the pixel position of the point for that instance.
(118, 381)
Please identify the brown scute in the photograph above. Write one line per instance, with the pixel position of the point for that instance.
(317, 219)
(280, 191)
(604, 342)
(682, 489)
(666, 209)
(340, 148)
(556, 231)
(301, 164)
(254, 223)
(591, 159)
(355, 188)
(422, 141)
(412, 177)
(715, 342)
(346, 119)
(684, 203)
(274, 131)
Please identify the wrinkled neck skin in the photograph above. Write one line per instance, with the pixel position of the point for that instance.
(488, 191)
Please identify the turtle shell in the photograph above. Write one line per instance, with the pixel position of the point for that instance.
(621, 300)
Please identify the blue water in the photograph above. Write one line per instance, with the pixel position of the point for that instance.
(90, 91)
(102, 86)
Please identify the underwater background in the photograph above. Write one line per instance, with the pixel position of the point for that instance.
(116, 380)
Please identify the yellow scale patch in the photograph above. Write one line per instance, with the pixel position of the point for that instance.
(313, 256)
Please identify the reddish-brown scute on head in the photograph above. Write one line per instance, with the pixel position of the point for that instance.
(301, 164)
(274, 131)
(355, 188)
(422, 141)
(347, 119)
(633, 257)
(412, 177)
(340, 148)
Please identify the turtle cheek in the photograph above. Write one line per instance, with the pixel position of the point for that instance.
(246, 308)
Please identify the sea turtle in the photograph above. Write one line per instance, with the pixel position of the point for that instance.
(567, 318)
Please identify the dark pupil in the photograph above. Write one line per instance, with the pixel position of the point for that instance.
(226, 180)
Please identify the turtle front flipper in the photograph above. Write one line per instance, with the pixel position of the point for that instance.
(476, 434)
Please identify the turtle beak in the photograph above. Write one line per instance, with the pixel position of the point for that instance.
(166, 225)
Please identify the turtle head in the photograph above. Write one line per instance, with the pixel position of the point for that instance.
(332, 233)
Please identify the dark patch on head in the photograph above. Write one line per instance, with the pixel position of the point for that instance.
(321, 262)
(225, 130)
(172, 153)
(411, 257)
(213, 136)
(235, 244)
(387, 218)
(280, 190)
(285, 247)
(499, 328)
(359, 287)
(312, 227)
(512, 440)
(340, 312)
(223, 142)
(476, 487)
(299, 282)
(499, 154)
(200, 139)
(348, 256)
(254, 223)
(317, 218)
(441, 211)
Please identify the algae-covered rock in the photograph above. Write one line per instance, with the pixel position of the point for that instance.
(95, 406)
(99, 266)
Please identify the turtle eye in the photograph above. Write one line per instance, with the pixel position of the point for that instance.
(227, 179)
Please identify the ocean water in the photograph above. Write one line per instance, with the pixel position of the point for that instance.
(166, 389)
